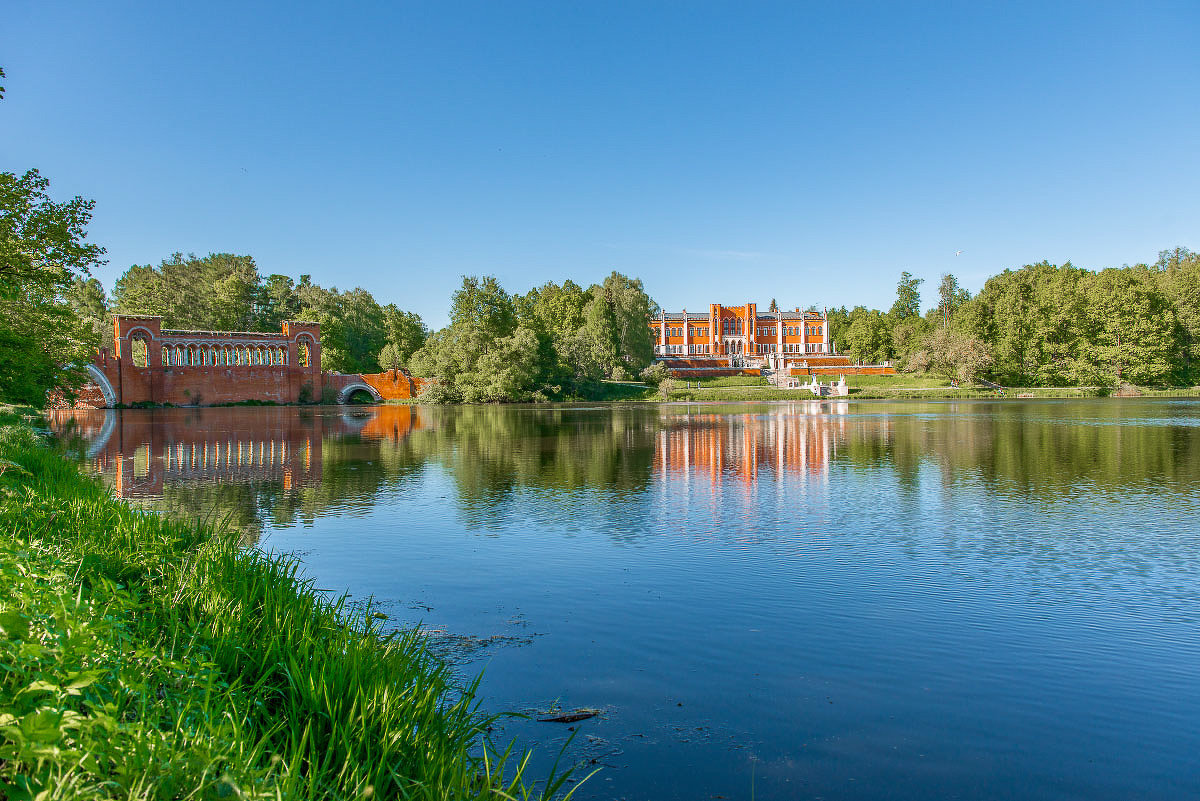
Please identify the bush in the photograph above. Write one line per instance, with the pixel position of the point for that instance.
(438, 393)
(619, 373)
(655, 373)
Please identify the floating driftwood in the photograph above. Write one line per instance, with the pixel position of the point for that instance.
(574, 717)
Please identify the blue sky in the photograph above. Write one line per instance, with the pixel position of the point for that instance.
(719, 151)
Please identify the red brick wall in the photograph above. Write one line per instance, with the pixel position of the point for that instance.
(844, 370)
(391, 384)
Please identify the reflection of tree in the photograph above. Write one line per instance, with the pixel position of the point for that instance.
(493, 452)
(1040, 450)
(499, 456)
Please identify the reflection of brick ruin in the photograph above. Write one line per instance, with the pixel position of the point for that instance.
(146, 451)
(799, 438)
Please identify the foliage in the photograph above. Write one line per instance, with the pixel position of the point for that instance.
(908, 297)
(1051, 325)
(150, 658)
(42, 251)
(655, 373)
(216, 292)
(952, 353)
(951, 298)
(482, 355)
(405, 332)
(1044, 325)
(390, 358)
(224, 292)
(868, 336)
(352, 328)
(90, 305)
(555, 340)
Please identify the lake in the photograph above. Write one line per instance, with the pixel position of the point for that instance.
(845, 600)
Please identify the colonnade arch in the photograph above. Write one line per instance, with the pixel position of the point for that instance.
(224, 355)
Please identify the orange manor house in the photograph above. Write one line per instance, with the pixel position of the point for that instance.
(730, 338)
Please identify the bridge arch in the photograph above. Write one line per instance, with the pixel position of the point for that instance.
(344, 394)
(106, 388)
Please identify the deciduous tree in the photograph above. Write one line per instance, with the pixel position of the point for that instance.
(42, 250)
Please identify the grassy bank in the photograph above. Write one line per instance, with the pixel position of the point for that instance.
(148, 658)
(915, 393)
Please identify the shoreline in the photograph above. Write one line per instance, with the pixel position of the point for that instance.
(158, 653)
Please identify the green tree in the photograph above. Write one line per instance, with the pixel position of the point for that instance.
(352, 327)
(42, 250)
(867, 336)
(908, 297)
(1178, 273)
(1133, 324)
(952, 353)
(907, 336)
(404, 330)
(218, 292)
(277, 300)
(839, 321)
(632, 309)
(90, 305)
(390, 358)
(483, 355)
(951, 298)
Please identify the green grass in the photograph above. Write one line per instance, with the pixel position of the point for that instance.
(147, 658)
(740, 394)
(1170, 392)
(898, 380)
(620, 391)
(727, 381)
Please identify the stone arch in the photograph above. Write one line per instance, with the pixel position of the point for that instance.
(344, 394)
(106, 388)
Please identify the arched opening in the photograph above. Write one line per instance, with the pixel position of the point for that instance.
(359, 396)
(303, 357)
(139, 352)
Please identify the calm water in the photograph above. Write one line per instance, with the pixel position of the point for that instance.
(836, 600)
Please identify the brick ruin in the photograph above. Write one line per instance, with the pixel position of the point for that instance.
(153, 365)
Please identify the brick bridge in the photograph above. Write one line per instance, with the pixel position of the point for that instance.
(156, 365)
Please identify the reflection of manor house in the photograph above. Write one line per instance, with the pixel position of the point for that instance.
(156, 365)
(144, 451)
(799, 438)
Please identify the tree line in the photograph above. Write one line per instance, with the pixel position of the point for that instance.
(555, 341)
(225, 292)
(1043, 325)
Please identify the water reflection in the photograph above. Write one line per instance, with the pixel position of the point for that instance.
(300, 462)
(904, 600)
